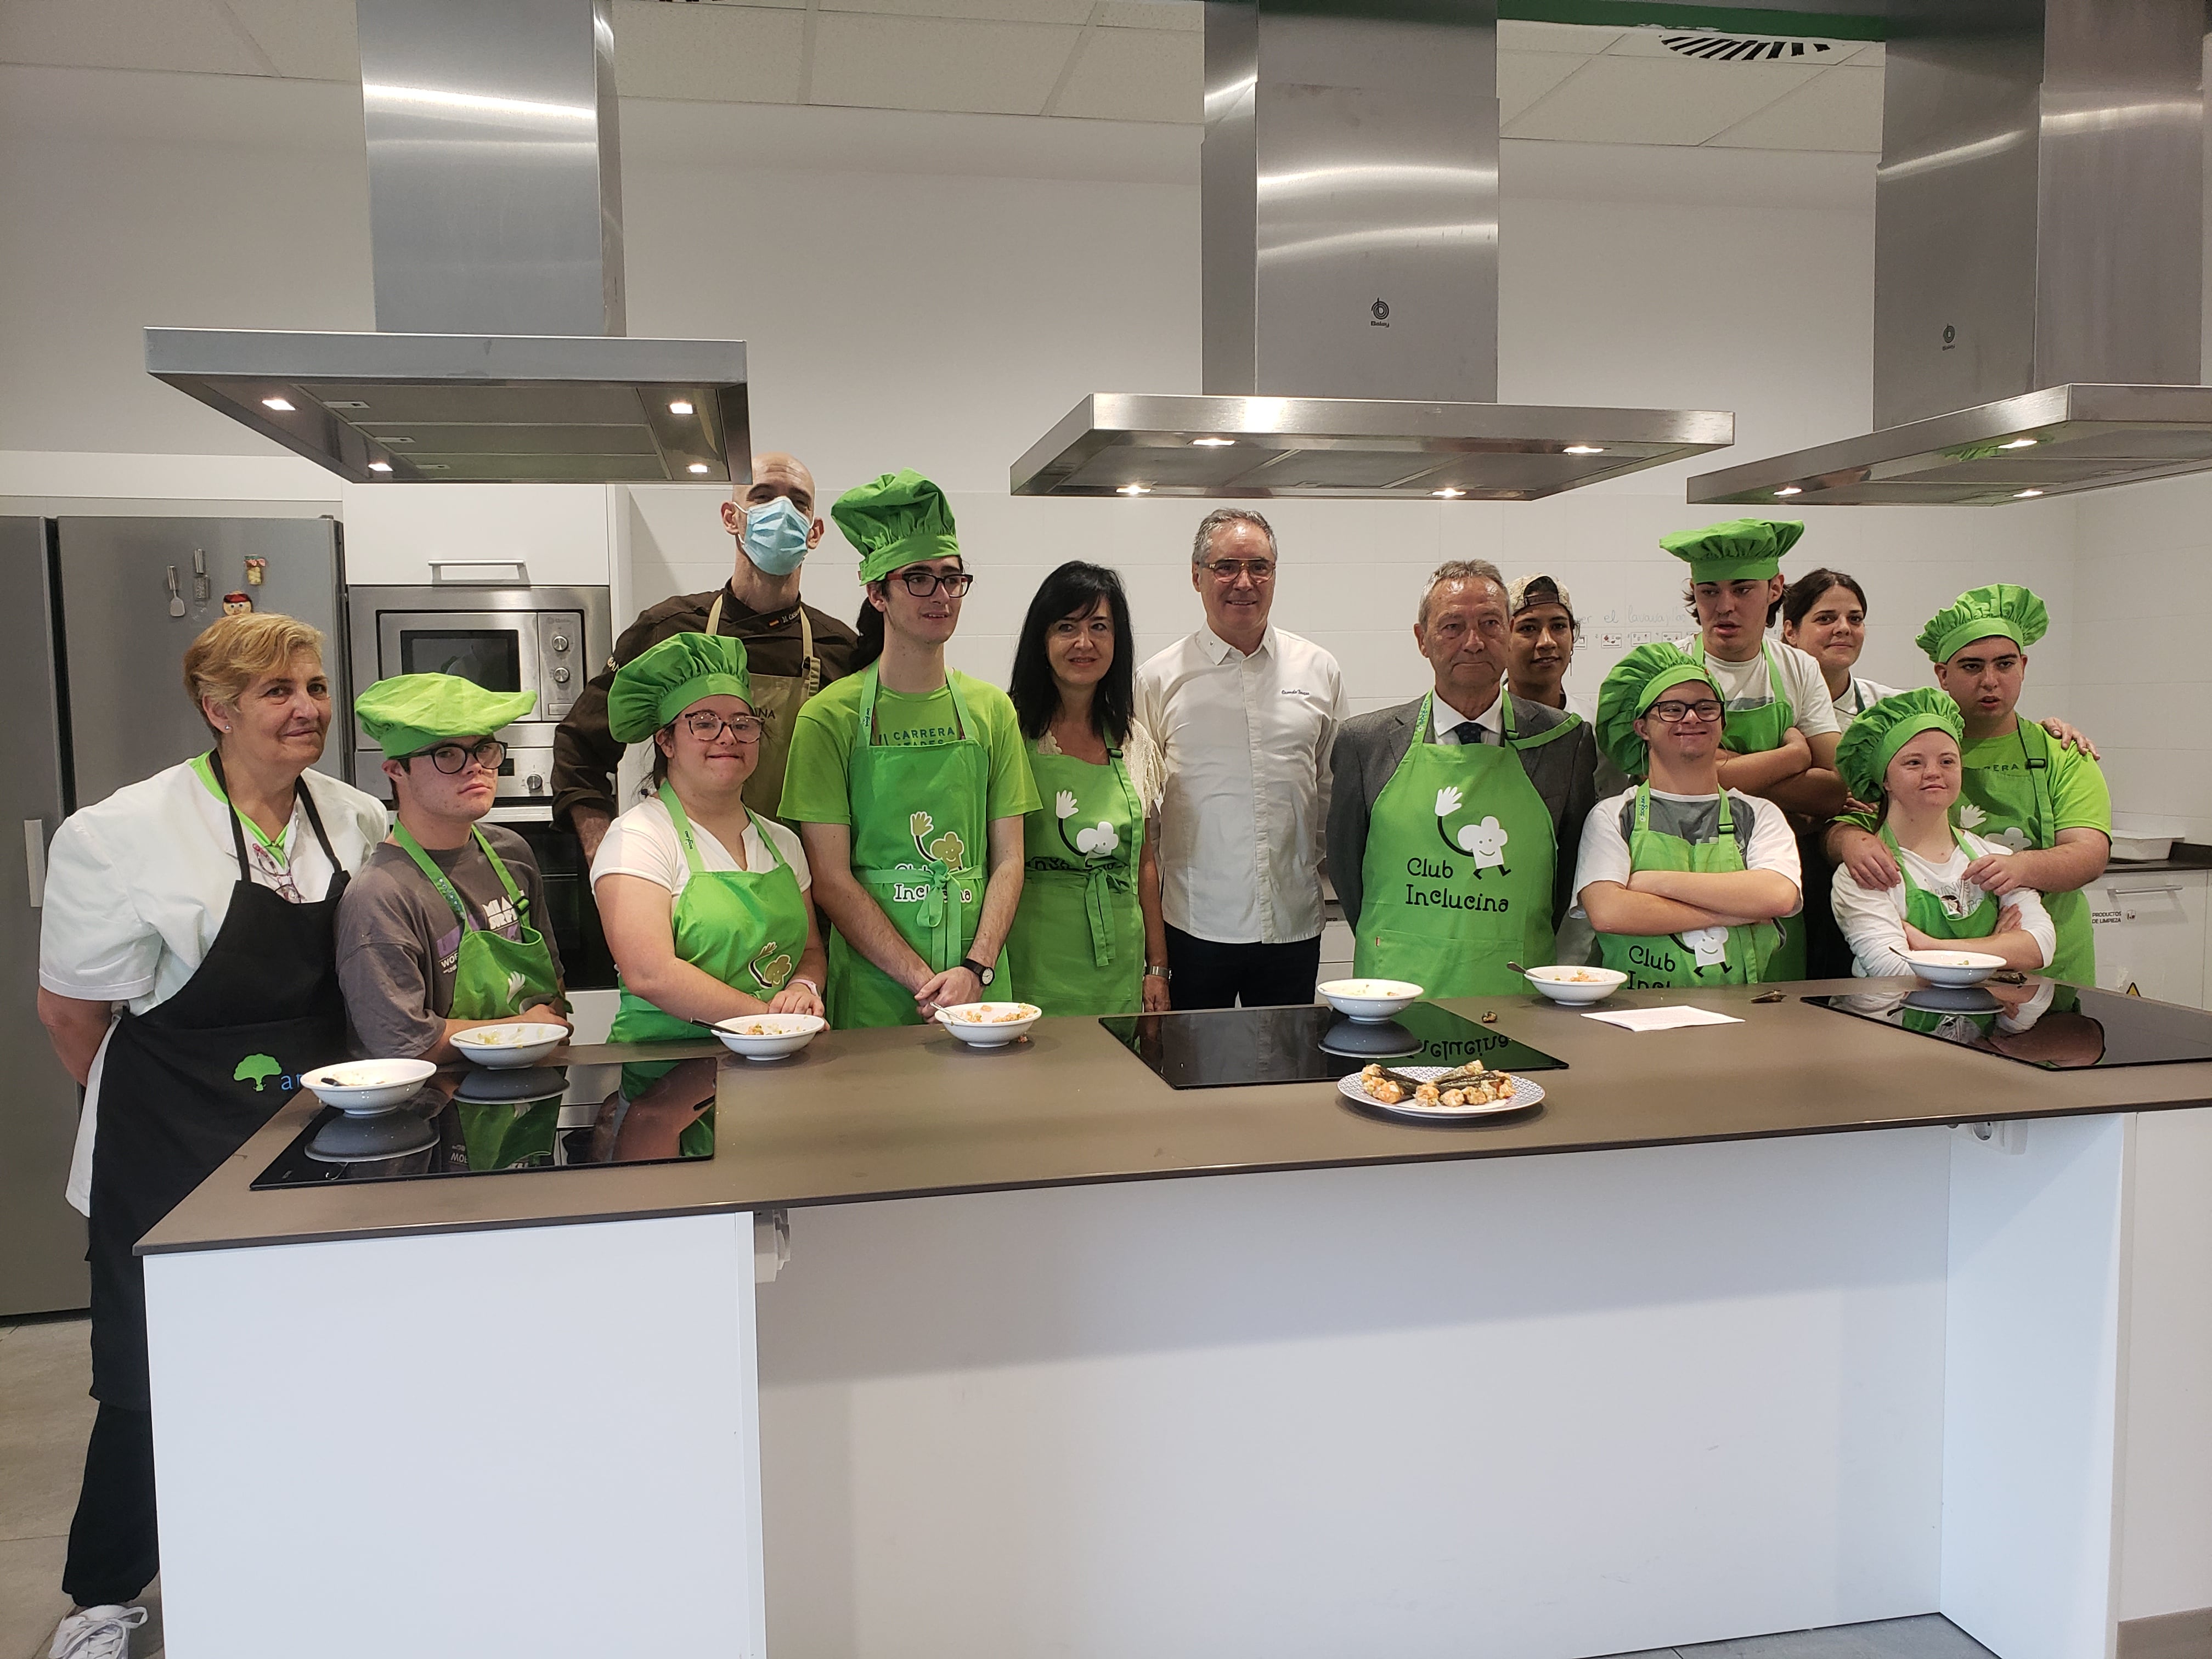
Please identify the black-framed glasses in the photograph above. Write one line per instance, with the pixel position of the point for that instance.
(452, 757)
(1673, 713)
(1228, 570)
(706, 727)
(923, 583)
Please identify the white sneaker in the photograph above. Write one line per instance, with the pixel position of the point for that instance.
(101, 1632)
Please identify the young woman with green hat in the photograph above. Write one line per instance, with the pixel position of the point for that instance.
(1903, 752)
(909, 782)
(1684, 881)
(704, 902)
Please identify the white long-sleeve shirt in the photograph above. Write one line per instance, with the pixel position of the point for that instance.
(1244, 745)
(1873, 920)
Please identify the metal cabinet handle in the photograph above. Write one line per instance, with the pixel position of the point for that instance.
(34, 859)
(2141, 892)
(479, 572)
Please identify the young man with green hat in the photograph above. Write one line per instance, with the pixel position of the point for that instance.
(1683, 879)
(1902, 752)
(435, 933)
(909, 782)
(2044, 801)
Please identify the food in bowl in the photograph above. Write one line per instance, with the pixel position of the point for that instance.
(1371, 1000)
(515, 1042)
(361, 1086)
(1573, 984)
(1944, 967)
(991, 1013)
(990, 1025)
(770, 1036)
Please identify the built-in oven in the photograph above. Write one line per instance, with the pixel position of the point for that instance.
(546, 640)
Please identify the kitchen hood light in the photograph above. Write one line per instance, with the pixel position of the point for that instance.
(379, 467)
(679, 407)
(1583, 449)
(1448, 492)
(2019, 443)
(283, 405)
(699, 466)
(1790, 489)
(1214, 443)
(1134, 489)
(2025, 494)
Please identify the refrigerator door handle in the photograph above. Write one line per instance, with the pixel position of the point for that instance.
(34, 859)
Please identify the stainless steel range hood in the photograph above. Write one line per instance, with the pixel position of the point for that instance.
(496, 232)
(1348, 186)
(2039, 262)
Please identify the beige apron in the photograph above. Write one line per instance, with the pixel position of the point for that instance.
(776, 698)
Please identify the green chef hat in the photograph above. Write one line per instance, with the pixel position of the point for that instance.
(2001, 611)
(1872, 740)
(410, 713)
(655, 686)
(900, 519)
(1633, 687)
(1742, 550)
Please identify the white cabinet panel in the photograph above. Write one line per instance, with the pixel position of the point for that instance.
(394, 533)
(2151, 933)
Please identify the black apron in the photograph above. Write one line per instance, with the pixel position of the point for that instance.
(187, 1082)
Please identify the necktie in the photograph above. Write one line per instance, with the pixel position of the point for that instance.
(1467, 732)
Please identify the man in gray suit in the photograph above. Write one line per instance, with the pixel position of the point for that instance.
(1448, 813)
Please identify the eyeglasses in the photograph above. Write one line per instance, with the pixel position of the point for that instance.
(745, 728)
(923, 583)
(1673, 714)
(1228, 570)
(279, 878)
(452, 757)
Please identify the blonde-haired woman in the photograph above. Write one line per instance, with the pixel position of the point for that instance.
(185, 977)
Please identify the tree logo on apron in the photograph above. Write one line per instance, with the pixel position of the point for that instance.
(770, 966)
(947, 849)
(1485, 843)
(257, 1069)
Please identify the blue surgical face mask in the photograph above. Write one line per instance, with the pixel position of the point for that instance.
(775, 536)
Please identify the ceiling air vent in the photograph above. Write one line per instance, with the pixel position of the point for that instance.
(1740, 49)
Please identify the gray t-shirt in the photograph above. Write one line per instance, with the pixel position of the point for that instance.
(400, 942)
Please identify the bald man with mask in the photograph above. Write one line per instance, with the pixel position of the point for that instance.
(792, 649)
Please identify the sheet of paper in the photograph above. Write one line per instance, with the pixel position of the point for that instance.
(1663, 1019)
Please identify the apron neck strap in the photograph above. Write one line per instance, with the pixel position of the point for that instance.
(404, 839)
(871, 683)
(302, 796)
(690, 839)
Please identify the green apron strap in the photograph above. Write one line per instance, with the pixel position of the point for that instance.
(1535, 740)
(2036, 753)
(690, 839)
(437, 878)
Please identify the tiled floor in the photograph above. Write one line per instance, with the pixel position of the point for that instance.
(44, 1365)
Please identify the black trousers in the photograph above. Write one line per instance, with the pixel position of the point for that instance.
(1210, 975)
(113, 1549)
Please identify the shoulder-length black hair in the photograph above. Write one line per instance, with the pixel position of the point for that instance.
(1070, 591)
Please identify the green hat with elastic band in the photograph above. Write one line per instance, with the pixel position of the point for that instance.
(655, 686)
(1635, 683)
(1872, 740)
(899, 519)
(1741, 550)
(2001, 611)
(410, 713)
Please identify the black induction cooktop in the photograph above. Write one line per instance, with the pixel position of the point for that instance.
(1220, 1047)
(474, 1122)
(2061, 1028)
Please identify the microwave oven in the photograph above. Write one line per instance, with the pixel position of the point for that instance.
(542, 639)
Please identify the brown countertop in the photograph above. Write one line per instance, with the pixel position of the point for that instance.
(909, 1112)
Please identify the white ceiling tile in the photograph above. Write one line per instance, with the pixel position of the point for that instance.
(1576, 39)
(724, 54)
(190, 35)
(1655, 101)
(1652, 43)
(989, 11)
(305, 39)
(1525, 77)
(1837, 109)
(912, 62)
(1137, 75)
(1183, 14)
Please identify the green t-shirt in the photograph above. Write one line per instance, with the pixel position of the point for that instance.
(816, 788)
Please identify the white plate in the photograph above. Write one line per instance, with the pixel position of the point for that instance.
(1574, 992)
(779, 1033)
(1525, 1093)
(366, 1086)
(514, 1042)
(988, 1033)
(1949, 966)
(1370, 1001)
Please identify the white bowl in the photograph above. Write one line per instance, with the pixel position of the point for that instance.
(990, 1025)
(518, 1042)
(362, 1088)
(1370, 1001)
(770, 1036)
(1576, 986)
(1954, 967)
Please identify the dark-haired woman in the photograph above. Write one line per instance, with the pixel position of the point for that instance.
(1824, 615)
(1089, 939)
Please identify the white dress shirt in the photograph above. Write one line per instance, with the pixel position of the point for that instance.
(1244, 745)
(1447, 721)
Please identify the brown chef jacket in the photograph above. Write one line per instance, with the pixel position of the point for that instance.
(586, 754)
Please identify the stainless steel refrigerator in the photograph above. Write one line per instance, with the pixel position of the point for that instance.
(98, 613)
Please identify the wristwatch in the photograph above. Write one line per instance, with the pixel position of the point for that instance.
(984, 975)
(1160, 972)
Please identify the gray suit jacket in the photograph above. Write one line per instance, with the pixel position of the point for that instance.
(1369, 747)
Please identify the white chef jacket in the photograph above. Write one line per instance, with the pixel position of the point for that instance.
(1244, 745)
(137, 888)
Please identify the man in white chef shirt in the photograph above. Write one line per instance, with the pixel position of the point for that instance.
(1245, 715)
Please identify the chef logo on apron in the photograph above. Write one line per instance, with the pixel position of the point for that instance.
(1481, 844)
(1097, 841)
(770, 967)
(946, 849)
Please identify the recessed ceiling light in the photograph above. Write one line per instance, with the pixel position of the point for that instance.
(1448, 492)
(285, 404)
(1134, 489)
(701, 466)
(1789, 489)
(379, 467)
(2019, 443)
(1585, 449)
(679, 407)
(2025, 495)
(1214, 443)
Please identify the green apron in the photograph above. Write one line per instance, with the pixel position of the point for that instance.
(2021, 801)
(1447, 897)
(496, 977)
(1080, 890)
(1709, 955)
(744, 927)
(1925, 911)
(1753, 728)
(921, 830)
